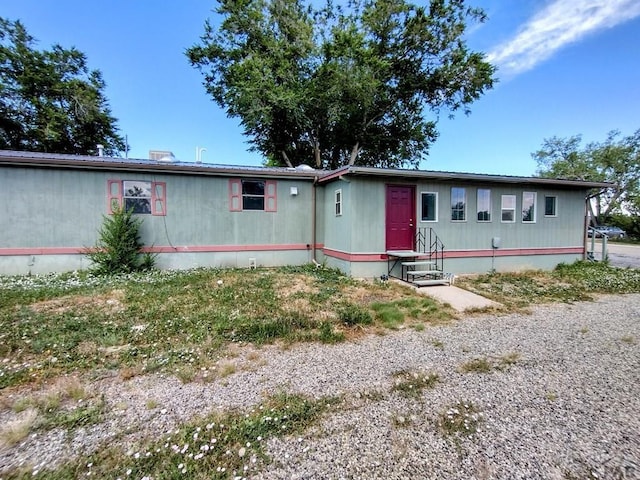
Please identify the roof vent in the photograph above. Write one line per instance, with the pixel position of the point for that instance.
(162, 156)
(304, 167)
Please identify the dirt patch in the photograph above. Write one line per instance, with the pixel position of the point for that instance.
(110, 303)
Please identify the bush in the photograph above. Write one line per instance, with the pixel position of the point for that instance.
(119, 249)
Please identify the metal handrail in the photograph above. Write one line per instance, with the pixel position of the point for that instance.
(432, 247)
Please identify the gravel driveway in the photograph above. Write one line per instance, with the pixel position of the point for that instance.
(568, 408)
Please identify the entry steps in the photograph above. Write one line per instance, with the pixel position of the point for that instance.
(423, 273)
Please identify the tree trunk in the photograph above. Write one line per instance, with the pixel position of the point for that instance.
(286, 159)
(354, 153)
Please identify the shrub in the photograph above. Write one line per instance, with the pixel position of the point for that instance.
(119, 249)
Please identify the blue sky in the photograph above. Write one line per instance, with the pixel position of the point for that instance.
(566, 67)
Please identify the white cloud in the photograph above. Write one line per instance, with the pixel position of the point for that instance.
(560, 23)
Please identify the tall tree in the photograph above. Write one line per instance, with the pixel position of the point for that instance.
(616, 160)
(49, 99)
(341, 86)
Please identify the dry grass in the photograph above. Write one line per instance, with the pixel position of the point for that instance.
(107, 303)
(16, 430)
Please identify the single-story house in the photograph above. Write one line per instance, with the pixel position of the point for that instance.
(365, 221)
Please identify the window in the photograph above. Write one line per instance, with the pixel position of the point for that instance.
(338, 202)
(458, 204)
(484, 205)
(508, 208)
(550, 206)
(258, 195)
(429, 205)
(529, 207)
(141, 196)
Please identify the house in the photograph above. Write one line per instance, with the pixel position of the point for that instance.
(365, 221)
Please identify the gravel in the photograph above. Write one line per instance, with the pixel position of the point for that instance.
(569, 407)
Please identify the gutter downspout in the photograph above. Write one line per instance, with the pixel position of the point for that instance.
(313, 221)
(585, 239)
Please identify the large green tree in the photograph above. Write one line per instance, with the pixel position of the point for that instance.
(361, 84)
(49, 99)
(616, 160)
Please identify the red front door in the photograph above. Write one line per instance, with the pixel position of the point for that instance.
(400, 217)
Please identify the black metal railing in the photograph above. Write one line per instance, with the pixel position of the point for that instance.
(428, 242)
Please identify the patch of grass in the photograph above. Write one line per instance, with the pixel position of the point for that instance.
(218, 446)
(161, 321)
(327, 334)
(388, 314)
(487, 364)
(78, 416)
(352, 315)
(460, 419)
(17, 430)
(477, 365)
(411, 384)
(567, 283)
(186, 373)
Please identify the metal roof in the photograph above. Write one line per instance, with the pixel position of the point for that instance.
(36, 159)
(458, 177)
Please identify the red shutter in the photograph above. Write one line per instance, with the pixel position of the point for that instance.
(114, 195)
(270, 196)
(235, 195)
(158, 198)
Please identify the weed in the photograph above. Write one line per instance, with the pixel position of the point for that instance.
(418, 327)
(628, 339)
(411, 384)
(152, 404)
(461, 419)
(477, 365)
(584, 330)
(437, 344)
(551, 396)
(186, 374)
(227, 368)
(15, 431)
(400, 420)
(508, 359)
(487, 365)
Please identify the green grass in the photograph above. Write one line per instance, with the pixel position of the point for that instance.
(214, 447)
(180, 321)
(567, 283)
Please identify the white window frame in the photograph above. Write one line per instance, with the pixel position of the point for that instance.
(465, 203)
(490, 209)
(534, 204)
(338, 202)
(511, 209)
(555, 206)
(435, 194)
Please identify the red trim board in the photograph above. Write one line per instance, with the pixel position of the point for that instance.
(163, 249)
(502, 252)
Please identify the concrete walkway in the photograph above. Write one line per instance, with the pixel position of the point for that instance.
(458, 298)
